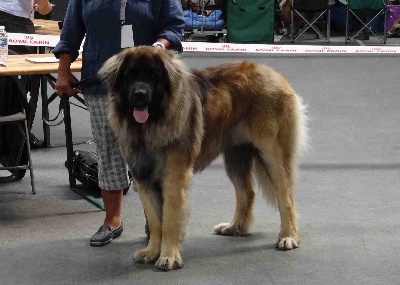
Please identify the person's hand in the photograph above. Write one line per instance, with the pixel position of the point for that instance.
(64, 84)
(44, 7)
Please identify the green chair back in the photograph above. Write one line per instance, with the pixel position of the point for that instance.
(250, 21)
(366, 4)
(366, 8)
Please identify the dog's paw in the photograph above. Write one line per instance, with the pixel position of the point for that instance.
(226, 229)
(146, 255)
(288, 243)
(169, 263)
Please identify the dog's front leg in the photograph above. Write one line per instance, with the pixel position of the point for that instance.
(175, 185)
(151, 198)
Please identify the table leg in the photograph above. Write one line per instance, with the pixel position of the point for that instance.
(45, 110)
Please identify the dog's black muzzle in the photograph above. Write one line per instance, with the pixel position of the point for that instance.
(140, 94)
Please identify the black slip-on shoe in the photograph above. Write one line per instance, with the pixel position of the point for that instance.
(105, 235)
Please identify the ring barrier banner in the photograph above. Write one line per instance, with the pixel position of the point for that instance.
(288, 49)
(51, 41)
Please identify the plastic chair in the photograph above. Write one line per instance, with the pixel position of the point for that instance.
(316, 9)
(14, 134)
(365, 12)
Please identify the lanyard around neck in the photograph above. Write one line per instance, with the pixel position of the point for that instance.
(122, 11)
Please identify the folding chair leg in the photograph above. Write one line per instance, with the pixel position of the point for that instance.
(328, 27)
(311, 25)
(384, 25)
(365, 25)
(346, 37)
(28, 150)
(291, 25)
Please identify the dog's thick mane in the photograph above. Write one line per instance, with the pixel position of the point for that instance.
(178, 105)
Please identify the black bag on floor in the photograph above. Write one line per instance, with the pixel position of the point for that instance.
(86, 168)
(12, 100)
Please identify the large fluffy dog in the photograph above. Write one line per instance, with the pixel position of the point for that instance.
(171, 122)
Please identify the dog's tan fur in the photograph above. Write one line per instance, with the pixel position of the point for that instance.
(251, 116)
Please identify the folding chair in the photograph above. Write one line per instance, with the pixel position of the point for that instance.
(359, 10)
(15, 156)
(314, 8)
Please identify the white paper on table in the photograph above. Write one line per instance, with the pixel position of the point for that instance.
(41, 59)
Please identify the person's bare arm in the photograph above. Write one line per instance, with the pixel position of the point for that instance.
(44, 6)
(65, 78)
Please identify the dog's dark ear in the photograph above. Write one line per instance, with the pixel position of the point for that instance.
(111, 70)
(175, 69)
(124, 67)
(159, 64)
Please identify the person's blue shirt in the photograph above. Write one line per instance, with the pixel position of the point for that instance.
(99, 21)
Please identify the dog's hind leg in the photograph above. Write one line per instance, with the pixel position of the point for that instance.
(280, 170)
(151, 198)
(238, 162)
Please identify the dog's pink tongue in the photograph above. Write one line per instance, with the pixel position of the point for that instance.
(141, 116)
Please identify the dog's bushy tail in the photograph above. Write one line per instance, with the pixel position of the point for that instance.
(302, 131)
(294, 144)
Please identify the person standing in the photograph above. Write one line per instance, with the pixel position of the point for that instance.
(159, 23)
(15, 17)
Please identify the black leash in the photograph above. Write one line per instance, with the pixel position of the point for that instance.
(64, 100)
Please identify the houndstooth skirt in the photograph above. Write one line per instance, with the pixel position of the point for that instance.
(113, 172)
